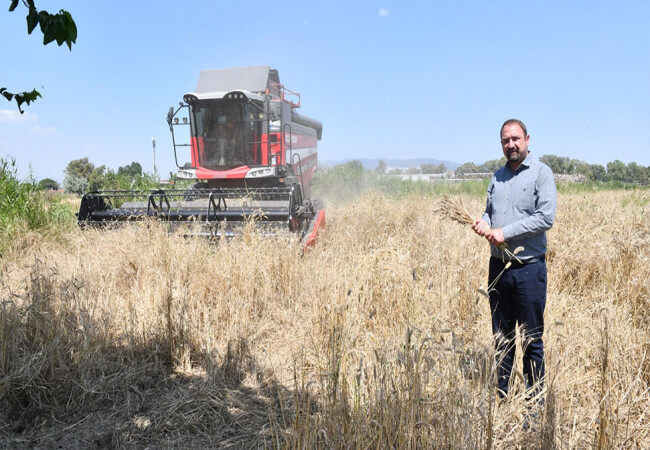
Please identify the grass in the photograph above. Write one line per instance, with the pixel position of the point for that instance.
(24, 210)
(378, 337)
(345, 182)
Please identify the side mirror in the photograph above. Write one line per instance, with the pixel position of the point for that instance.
(170, 115)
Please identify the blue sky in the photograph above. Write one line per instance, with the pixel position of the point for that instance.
(389, 79)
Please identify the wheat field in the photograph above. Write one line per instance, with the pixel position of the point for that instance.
(376, 338)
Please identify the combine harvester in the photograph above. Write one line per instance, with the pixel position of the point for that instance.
(252, 158)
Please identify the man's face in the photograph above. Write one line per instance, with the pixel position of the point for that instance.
(514, 144)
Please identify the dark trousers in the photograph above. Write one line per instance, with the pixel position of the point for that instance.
(519, 296)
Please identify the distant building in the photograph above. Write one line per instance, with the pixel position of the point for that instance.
(474, 176)
(570, 177)
(422, 176)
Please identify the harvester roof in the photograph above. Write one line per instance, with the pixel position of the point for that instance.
(251, 79)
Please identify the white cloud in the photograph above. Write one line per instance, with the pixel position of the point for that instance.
(44, 131)
(384, 12)
(14, 116)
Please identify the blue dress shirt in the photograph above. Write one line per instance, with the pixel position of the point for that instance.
(522, 203)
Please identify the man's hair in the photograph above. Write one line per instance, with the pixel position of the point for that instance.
(513, 122)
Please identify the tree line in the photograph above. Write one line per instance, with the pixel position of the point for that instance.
(615, 171)
(82, 176)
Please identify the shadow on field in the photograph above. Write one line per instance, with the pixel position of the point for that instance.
(67, 382)
(148, 405)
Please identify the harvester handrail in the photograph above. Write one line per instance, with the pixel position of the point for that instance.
(283, 92)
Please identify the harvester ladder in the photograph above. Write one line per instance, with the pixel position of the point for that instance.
(292, 157)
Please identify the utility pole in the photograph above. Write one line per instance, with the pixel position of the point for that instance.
(153, 142)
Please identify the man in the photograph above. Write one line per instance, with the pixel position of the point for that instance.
(228, 139)
(520, 207)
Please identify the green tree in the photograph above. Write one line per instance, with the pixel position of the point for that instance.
(469, 167)
(616, 171)
(494, 164)
(80, 167)
(381, 167)
(583, 168)
(96, 180)
(428, 167)
(75, 185)
(77, 175)
(558, 164)
(353, 169)
(132, 170)
(433, 168)
(48, 184)
(636, 173)
(597, 172)
(59, 27)
(413, 170)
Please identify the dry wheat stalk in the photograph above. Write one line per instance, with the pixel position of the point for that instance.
(456, 211)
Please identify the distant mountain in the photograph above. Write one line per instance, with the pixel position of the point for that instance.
(371, 164)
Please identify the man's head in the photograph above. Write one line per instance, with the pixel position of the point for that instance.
(514, 142)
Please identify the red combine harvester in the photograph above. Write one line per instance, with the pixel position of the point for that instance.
(252, 158)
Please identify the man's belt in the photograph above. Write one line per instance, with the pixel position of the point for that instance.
(523, 262)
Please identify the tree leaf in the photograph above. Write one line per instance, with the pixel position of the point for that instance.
(32, 20)
(23, 97)
(58, 27)
(13, 5)
(70, 27)
(44, 19)
(8, 95)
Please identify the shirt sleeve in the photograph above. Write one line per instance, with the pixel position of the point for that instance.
(488, 203)
(544, 215)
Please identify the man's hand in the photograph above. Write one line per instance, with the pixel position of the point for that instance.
(481, 227)
(495, 237)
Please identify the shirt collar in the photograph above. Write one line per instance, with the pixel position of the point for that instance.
(525, 163)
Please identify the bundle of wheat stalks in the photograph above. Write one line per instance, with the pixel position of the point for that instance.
(454, 210)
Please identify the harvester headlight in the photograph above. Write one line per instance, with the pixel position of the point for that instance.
(260, 172)
(176, 120)
(190, 99)
(184, 119)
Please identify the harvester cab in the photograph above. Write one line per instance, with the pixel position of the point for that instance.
(244, 131)
(251, 155)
